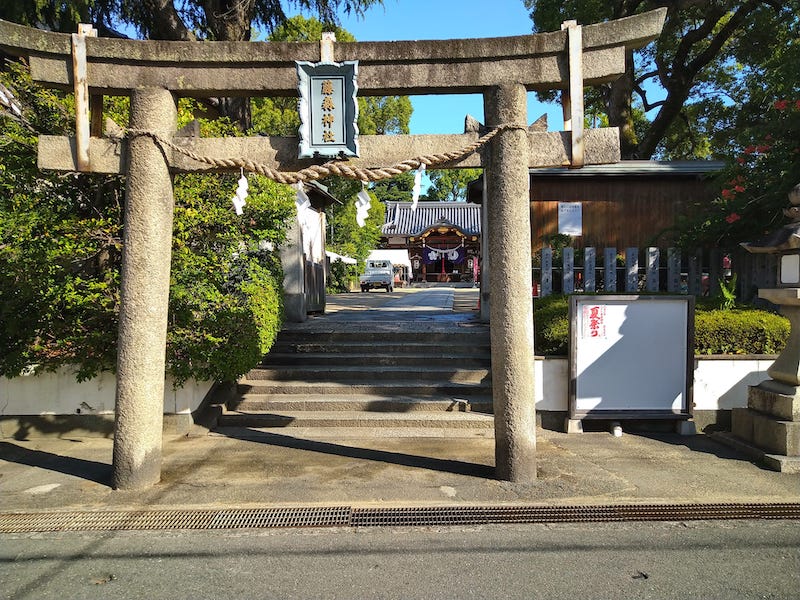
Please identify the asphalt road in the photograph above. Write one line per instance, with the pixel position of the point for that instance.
(733, 559)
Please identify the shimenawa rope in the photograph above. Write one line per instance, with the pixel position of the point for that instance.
(340, 169)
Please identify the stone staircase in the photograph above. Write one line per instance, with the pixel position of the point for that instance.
(355, 383)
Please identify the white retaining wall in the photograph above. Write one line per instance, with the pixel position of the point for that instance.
(720, 382)
(59, 394)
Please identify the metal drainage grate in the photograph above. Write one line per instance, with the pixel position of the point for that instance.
(480, 515)
(336, 516)
(345, 516)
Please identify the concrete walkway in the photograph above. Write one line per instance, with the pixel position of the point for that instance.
(248, 468)
(403, 305)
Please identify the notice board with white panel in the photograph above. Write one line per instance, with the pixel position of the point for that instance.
(631, 357)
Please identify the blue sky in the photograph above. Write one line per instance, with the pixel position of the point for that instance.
(448, 19)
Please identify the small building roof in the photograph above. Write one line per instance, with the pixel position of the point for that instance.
(638, 168)
(319, 196)
(333, 256)
(402, 221)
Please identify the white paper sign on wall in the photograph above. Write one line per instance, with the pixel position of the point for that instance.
(570, 218)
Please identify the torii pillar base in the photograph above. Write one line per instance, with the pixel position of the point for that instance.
(144, 298)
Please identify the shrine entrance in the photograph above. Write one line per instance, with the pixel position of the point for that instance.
(442, 239)
(150, 150)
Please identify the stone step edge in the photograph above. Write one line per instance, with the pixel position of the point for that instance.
(266, 434)
(377, 369)
(366, 416)
(349, 403)
(402, 398)
(358, 331)
(356, 419)
(775, 462)
(267, 388)
(371, 354)
(360, 383)
(363, 376)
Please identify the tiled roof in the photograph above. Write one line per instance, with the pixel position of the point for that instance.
(400, 220)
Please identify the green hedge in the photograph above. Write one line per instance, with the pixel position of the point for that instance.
(742, 330)
(551, 325)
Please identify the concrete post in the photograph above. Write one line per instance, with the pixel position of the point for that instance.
(144, 299)
(511, 310)
(486, 267)
(295, 304)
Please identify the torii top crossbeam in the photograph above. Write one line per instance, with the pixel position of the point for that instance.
(539, 61)
(557, 60)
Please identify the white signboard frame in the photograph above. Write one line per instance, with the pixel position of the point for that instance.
(631, 357)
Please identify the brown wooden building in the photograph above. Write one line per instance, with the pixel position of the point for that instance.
(628, 204)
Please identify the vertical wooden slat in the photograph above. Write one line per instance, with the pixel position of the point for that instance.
(695, 273)
(743, 264)
(547, 271)
(714, 271)
(81, 91)
(766, 270)
(673, 270)
(96, 115)
(589, 263)
(653, 256)
(631, 269)
(610, 269)
(568, 277)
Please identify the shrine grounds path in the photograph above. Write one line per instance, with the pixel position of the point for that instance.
(213, 471)
(67, 479)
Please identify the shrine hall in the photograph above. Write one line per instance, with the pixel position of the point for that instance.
(443, 239)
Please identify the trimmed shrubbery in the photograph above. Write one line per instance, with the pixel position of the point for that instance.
(61, 249)
(741, 330)
(551, 325)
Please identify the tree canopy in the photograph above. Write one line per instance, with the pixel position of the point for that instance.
(187, 20)
(691, 68)
(726, 80)
(61, 243)
(450, 185)
(760, 131)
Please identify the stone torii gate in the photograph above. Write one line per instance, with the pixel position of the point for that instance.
(154, 73)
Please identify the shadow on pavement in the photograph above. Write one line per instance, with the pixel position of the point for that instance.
(703, 444)
(77, 467)
(396, 458)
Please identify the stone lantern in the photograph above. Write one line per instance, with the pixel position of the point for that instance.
(770, 425)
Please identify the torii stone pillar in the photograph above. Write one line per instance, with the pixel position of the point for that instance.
(144, 302)
(511, 303)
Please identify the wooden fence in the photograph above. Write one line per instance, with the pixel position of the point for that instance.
(651, 270)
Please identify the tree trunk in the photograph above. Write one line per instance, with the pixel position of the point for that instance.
(618, 104)
(165, 23)
(619, 112)
(230, 20)
(237, 110)
(227, 20)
